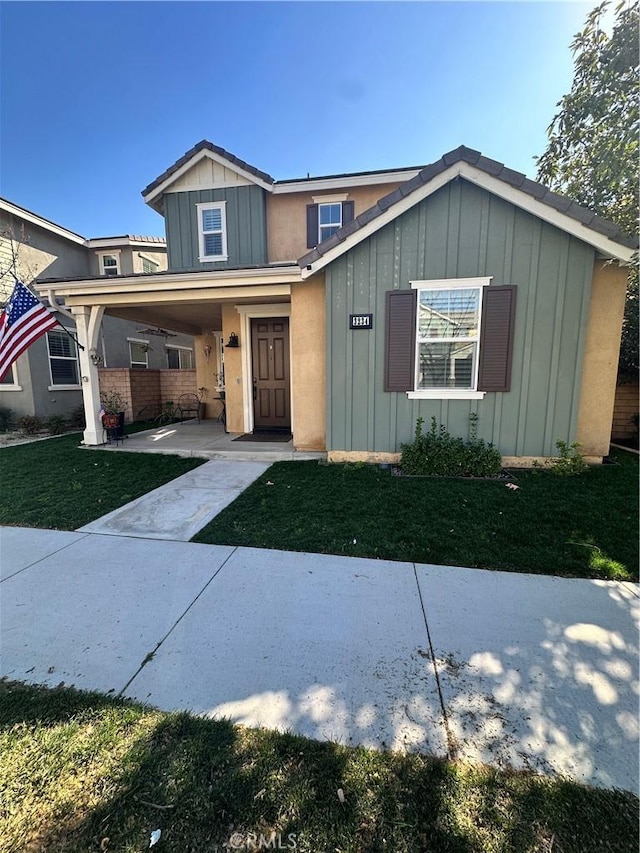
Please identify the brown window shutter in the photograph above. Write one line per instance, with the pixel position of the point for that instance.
(496, 338)
(347, 212)
(312, 226)
(400, 341)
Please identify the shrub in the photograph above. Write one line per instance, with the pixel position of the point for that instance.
(56, 424)
(76, 418)
(570, 460)
(6, 418)
(30, 424)
(439, 454)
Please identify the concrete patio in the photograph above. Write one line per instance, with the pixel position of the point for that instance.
(208, 440)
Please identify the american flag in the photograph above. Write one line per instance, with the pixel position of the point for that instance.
(22, 322)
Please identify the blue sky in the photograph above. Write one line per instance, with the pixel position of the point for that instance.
(97, 99)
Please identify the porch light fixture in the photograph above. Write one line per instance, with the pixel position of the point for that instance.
(95, 356)
(233, 340)
(207, 351)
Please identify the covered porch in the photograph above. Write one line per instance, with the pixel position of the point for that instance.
(259, 337)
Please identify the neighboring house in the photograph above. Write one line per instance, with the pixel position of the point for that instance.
(46, 379)
(346, 306)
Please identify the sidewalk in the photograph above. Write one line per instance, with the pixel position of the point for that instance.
(532, 671)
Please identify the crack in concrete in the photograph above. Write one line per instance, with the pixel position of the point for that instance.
(50, 554)
(150, 655)
(452, 744)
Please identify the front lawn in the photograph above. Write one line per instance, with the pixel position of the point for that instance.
(82, 772)
(582, 526)
(59, 485)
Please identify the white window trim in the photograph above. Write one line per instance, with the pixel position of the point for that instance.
(449, 393)
(71, 387)
(222, 207)
(330, 225)
(149, 260)
(330, 199)
(183, 349)
(144, 344)
(101, 255)
(15, 385)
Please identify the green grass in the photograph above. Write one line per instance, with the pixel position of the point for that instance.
(59, 485)
(82, 772)
(583, 526)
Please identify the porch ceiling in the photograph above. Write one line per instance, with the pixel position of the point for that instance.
(190, 319)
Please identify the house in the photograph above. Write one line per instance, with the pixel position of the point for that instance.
(344, 307)
(46, 379)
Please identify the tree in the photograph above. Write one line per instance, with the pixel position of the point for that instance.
(592, 154)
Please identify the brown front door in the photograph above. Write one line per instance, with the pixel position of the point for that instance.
(270, 364)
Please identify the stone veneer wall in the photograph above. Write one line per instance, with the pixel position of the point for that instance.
(624, 408)
(146, 391)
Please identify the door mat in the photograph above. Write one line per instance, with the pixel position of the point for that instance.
(266, 435)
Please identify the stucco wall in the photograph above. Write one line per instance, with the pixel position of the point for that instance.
(287, 217)
(39, 252)
(233, 369)
(114, 344)
(308, 364)
(600, 366)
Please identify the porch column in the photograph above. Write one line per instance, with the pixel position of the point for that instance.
(88, 320)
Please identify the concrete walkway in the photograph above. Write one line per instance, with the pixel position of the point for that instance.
(182, 507)
(515, 669)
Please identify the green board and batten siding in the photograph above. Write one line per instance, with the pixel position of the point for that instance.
(462, 231)
(246, 227)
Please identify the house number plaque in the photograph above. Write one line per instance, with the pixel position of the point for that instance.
(361, 321)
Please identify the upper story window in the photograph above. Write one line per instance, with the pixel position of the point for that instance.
(139, 353)
(63, 359)
(448, 334)
(109, 263)
(148, 266)
(329, 220)
(212, 231)
(326, 216)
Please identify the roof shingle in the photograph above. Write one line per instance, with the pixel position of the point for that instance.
(491, 167)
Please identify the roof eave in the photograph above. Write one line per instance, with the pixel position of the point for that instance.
(467, 166)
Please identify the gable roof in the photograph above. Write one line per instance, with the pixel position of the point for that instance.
(29, 216)
(605, 236)
(191, 157)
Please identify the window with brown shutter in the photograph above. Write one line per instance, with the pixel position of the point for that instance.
(448, 358)
(496, 338)
(400, 341)
(319, 228)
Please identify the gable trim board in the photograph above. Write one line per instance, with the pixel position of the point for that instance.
(388, 209)
(40, 221)
(152, 194)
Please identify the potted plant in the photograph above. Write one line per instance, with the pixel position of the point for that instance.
(113, 408)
